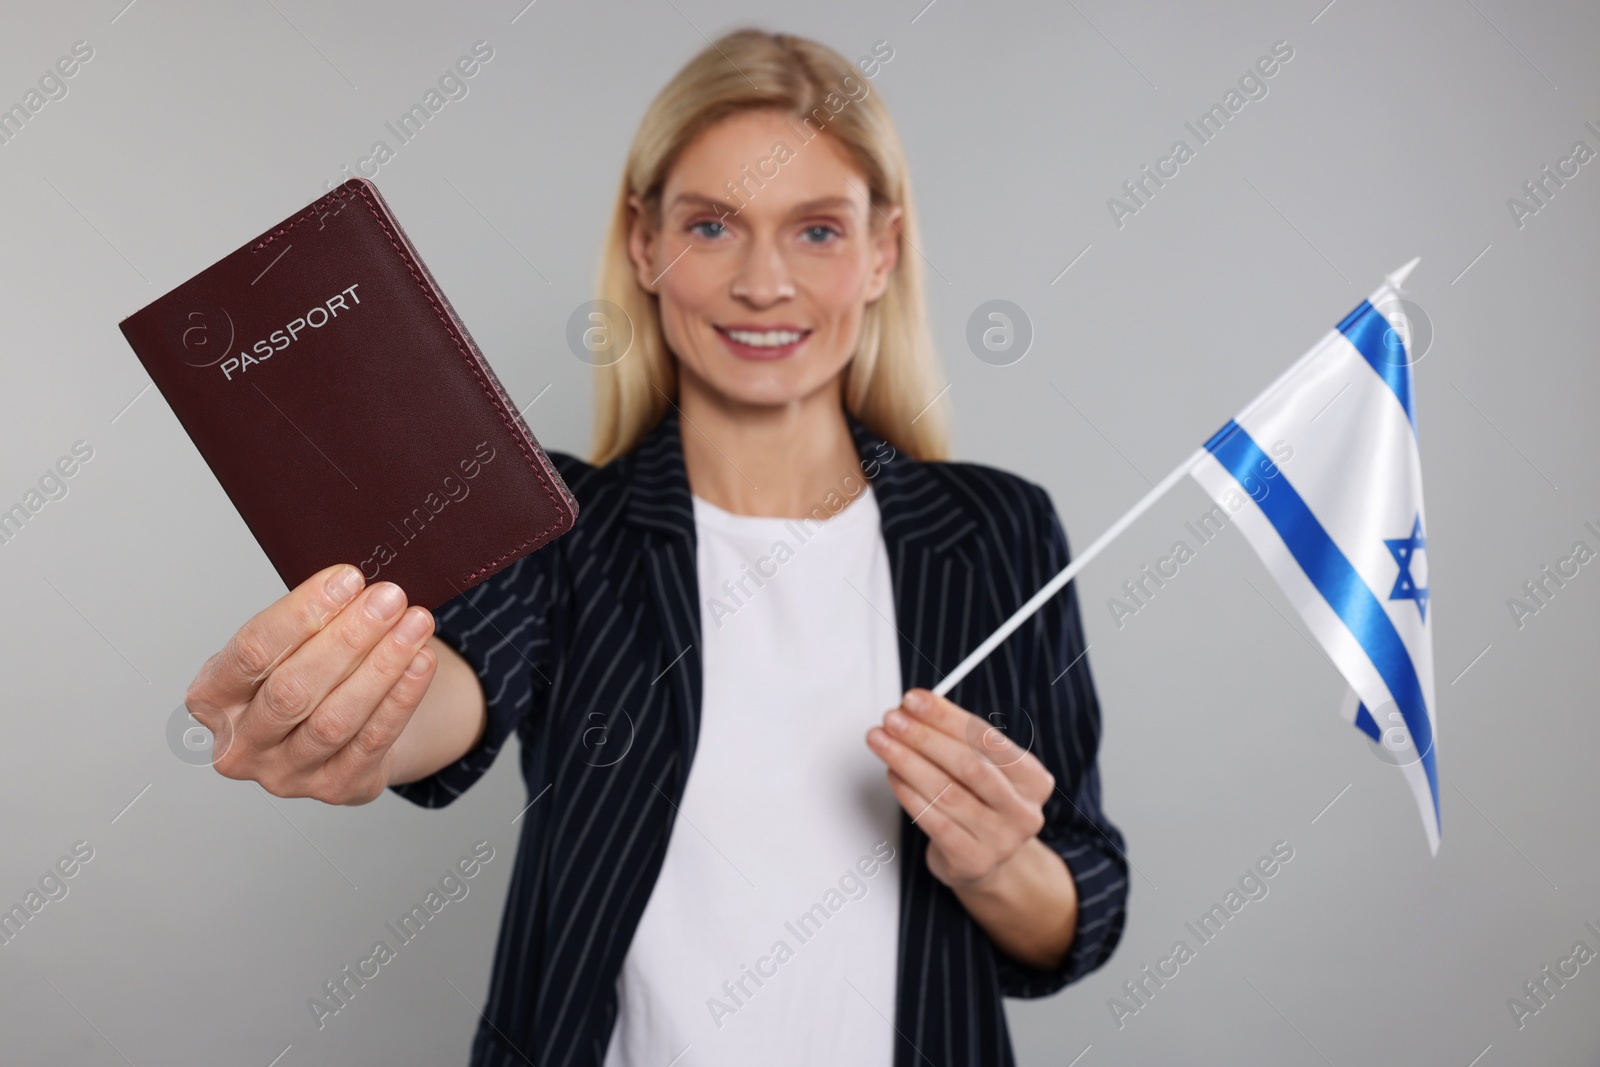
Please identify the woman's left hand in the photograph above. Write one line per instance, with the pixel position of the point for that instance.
(977, 795)
(980, 800)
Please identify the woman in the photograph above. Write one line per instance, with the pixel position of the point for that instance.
(714, 864)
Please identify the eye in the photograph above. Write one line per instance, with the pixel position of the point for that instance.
(820, 233)
(708, 228)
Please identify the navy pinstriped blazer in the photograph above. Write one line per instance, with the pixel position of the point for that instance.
(588, 650)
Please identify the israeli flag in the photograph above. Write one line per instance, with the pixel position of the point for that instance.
(1323, 475)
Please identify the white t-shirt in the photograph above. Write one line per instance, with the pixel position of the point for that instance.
(772, 934)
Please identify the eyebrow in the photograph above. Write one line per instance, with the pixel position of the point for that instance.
(726, 208)
(826, 202)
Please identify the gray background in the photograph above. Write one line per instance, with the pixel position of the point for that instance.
(211, 912)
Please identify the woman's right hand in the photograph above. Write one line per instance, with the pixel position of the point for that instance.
(310, 696)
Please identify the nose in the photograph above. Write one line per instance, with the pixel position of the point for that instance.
(762, 278)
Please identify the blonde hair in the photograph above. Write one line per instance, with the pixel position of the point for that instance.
(894, 376)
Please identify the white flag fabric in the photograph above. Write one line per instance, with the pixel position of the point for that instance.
(1324, 477)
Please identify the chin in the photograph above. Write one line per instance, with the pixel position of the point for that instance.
(767, 392)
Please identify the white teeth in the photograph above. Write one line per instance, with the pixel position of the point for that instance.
(766, 339)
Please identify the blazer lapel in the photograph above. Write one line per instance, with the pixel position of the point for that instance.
(660, 505)
(922, 524)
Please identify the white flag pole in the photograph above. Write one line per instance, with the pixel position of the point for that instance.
(1067, 573)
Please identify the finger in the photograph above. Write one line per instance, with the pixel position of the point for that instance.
(373, 742)
(928, 814)
(954, 757)
(941, 713)
(298, 684)
(1025, 771)
(337, 717)
(931, 782)
(987, 739)
(232, 676)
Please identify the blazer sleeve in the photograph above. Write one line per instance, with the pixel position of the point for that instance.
(1067, 740)
(505, 629)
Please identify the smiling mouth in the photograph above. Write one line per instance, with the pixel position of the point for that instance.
(762, 344)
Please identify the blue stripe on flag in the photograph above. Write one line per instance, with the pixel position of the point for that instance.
(1330, 571)
(1383, 349)
(1366, 724)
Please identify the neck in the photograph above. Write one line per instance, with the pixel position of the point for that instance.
(779, 460)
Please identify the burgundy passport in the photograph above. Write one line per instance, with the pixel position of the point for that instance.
(348, 415)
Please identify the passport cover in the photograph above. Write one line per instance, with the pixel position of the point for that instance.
(346, 411)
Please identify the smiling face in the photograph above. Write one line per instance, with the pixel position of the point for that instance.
(763, 288)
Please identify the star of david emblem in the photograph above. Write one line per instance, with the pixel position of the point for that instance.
(1405, 552)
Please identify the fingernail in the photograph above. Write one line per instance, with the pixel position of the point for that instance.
(418, 666)
(917, 701)
(343, 584)
(384, 600)
(897, 722)
(411, 626)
